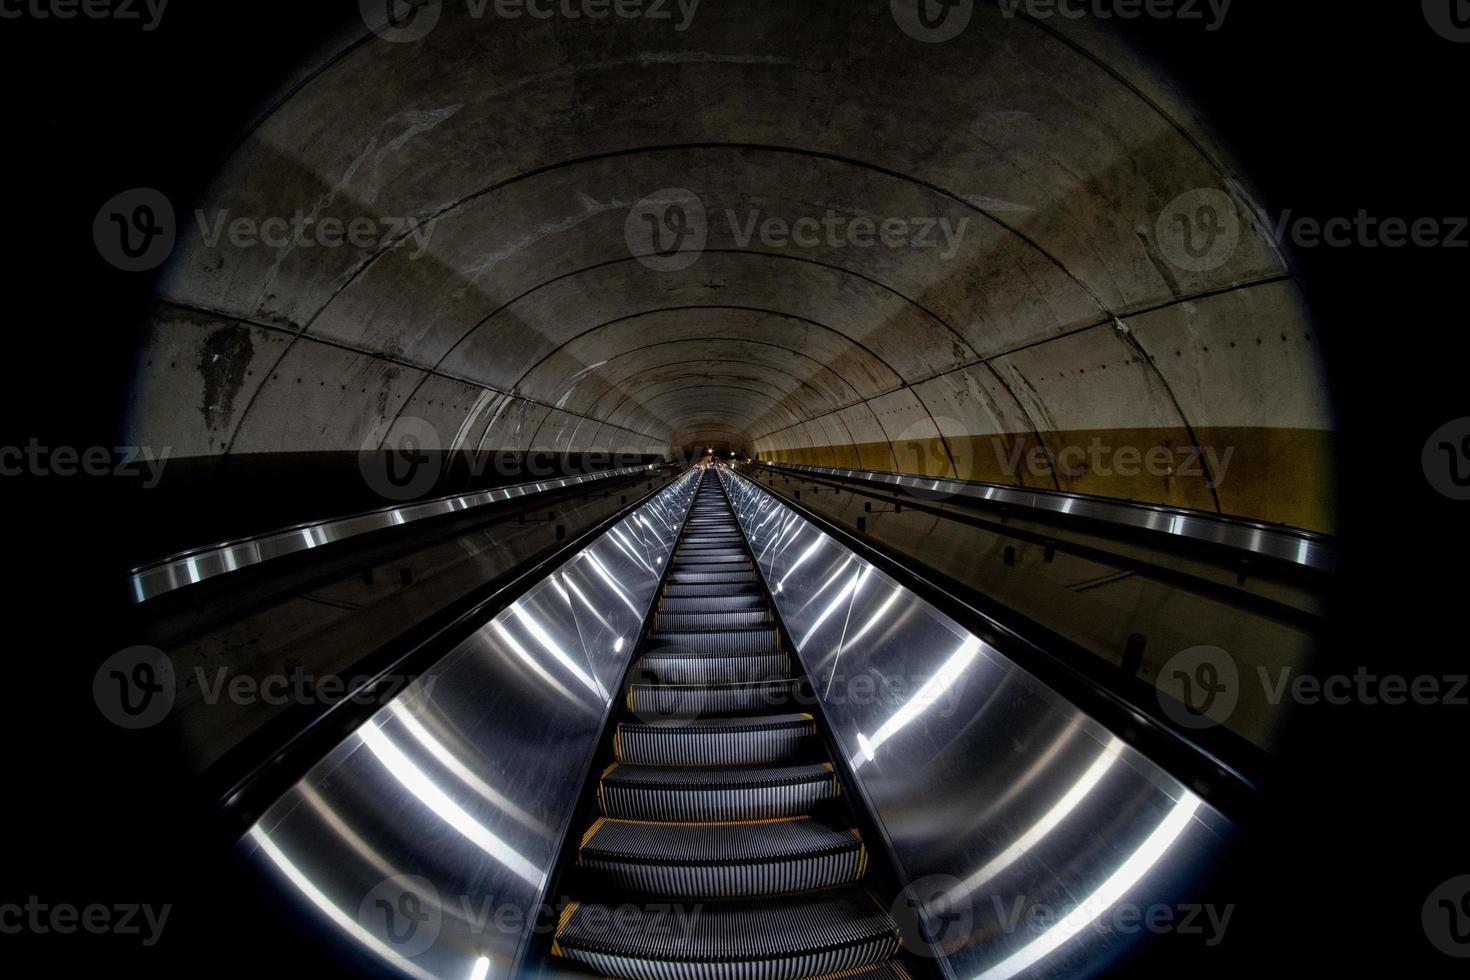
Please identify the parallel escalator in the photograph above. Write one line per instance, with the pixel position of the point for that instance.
(723, 844)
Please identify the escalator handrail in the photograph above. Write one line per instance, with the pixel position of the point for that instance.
(1277, 542)
(187, 568)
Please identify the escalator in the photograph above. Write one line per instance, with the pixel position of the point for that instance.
(722, 842)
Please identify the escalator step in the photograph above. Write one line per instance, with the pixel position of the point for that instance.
(712, 590)
(710, 700)
(678, 667)
(716, 558)
(707, 794)
(723, 860)
(725, 603)
(782, 939)
(728, 577)
(728, 642)
(688, 622)
(760, 740)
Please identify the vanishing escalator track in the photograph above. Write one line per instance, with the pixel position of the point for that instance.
(723, 845)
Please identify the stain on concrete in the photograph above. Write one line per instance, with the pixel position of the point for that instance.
(223, 360)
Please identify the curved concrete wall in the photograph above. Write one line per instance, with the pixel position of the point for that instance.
(944, 258)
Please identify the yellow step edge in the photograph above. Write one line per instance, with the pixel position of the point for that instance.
(853, 971)
(566, 916)
(591, 831)
(708, 823)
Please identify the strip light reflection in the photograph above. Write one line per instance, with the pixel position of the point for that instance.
(418, 782)
(450, 761)
(1069, 802)
(943, 679)
(1094, 905)
(340, 919)
(562, 657)
(530, 661)
(850, 588)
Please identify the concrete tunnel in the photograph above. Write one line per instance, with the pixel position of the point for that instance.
(971, 321)
(1030, 290)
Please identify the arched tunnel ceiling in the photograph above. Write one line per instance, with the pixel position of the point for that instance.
(1039, 306)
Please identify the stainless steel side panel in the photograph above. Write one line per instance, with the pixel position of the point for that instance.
(1035, 842)
(425, 840)
(1285, 544)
